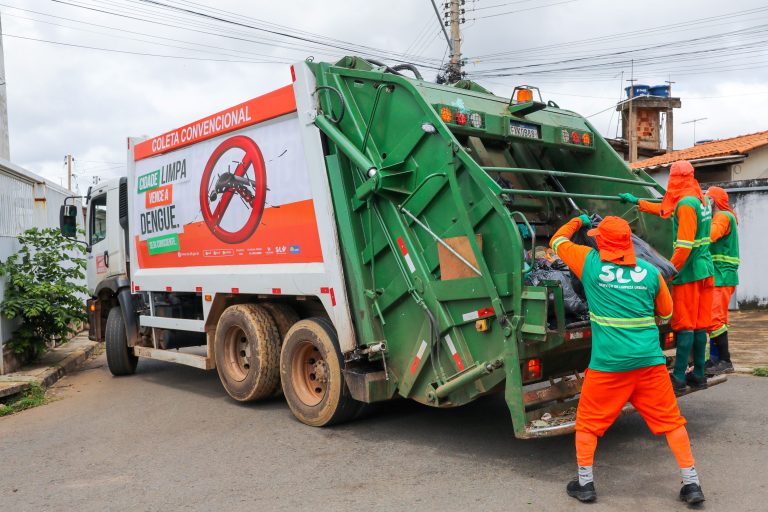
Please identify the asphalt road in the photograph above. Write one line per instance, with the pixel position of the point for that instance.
(170, 439)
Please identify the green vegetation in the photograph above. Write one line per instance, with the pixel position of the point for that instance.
(760, 372)
(33, 397)
(41, 289)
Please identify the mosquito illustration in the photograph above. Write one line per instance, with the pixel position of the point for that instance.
(239, 184)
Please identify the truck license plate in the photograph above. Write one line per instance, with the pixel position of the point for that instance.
(529, 131)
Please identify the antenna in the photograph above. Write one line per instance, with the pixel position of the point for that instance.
(694, 121)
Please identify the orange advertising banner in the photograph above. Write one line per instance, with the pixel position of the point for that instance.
(274, 104)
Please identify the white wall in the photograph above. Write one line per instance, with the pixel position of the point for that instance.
(752, 209)
(19, 211)
(754, 167)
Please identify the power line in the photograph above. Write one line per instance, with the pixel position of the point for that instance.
(517, 11)
(136, 53)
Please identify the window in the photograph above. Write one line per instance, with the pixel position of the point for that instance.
(98, 219)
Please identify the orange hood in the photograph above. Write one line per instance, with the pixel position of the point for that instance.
(720, 196)
(681, 184)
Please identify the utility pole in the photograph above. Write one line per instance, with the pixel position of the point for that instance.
(694, 121)
(5, 148)
(455, 20)
(68, 159)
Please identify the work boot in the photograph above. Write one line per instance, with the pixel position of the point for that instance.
(585, 493)
(722, 367)
(709, 368)
(679, 386)
(696, 382)
(691, 494)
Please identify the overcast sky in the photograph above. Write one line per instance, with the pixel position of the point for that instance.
(67, 99)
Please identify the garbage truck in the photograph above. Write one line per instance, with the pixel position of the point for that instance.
(358, 236)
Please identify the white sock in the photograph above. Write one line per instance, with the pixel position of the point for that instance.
(689, 475)
(585, 474)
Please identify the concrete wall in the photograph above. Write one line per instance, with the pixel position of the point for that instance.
(750, 202)
(26, 201)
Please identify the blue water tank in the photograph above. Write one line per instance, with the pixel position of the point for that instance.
(639, 90)
(660, 90)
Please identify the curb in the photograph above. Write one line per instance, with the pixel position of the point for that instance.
(54, 373)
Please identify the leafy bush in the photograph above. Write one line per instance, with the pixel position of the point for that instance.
(42, 290)
(760, 372)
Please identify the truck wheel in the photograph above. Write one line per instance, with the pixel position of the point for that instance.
(120, 357)
(247, 352)
(311, 371)
(283, 315)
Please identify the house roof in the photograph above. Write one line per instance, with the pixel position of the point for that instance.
(722, 147)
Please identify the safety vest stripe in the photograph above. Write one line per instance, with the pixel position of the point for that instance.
(666, 317)
(684, 243)
(559, 240)
(701, 241)
(645, 321)
(726, 259)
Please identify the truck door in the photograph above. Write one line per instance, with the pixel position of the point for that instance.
(98, 251)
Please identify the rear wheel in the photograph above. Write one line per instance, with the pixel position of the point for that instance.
(283, 315)
(120, 357)
(247, 352)
(311, 372)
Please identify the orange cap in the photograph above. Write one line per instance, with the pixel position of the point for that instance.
(614, 241)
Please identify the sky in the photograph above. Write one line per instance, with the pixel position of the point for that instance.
(82, 75)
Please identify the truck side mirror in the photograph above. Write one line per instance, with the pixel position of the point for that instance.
(68, 220)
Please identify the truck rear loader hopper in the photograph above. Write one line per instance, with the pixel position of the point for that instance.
(438, 197)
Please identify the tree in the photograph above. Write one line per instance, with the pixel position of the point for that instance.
(42, 289)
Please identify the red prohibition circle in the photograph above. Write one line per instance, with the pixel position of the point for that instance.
(212, 218)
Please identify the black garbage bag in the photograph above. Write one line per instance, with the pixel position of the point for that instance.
(573, 292)
(643, 249)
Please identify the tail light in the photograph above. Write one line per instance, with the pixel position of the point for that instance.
(532, 370)
(446, 115)
(460, 117)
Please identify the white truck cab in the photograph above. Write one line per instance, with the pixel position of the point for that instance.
(107, 255)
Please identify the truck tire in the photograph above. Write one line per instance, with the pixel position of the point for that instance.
(283, 315)
(120, 357)
(311, 367)
(247, 352)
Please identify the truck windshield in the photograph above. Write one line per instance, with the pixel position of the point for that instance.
(98, 219)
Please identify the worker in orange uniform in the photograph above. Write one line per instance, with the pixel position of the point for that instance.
(725, 257)
(692, 287)
(625, 294)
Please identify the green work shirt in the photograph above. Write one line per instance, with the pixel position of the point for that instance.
(725, 255)
(699, 263)
(621, 309)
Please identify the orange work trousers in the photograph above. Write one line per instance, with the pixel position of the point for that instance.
(649, 390)
(692, 305)
(721, 297)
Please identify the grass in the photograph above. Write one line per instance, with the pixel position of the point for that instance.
(32, 397)
(760, 372)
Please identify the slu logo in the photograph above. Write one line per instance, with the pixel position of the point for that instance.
(613, 273)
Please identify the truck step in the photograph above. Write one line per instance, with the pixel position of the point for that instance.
(564, 420)
(174, 356)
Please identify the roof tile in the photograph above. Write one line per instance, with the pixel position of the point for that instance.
(733, 146)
